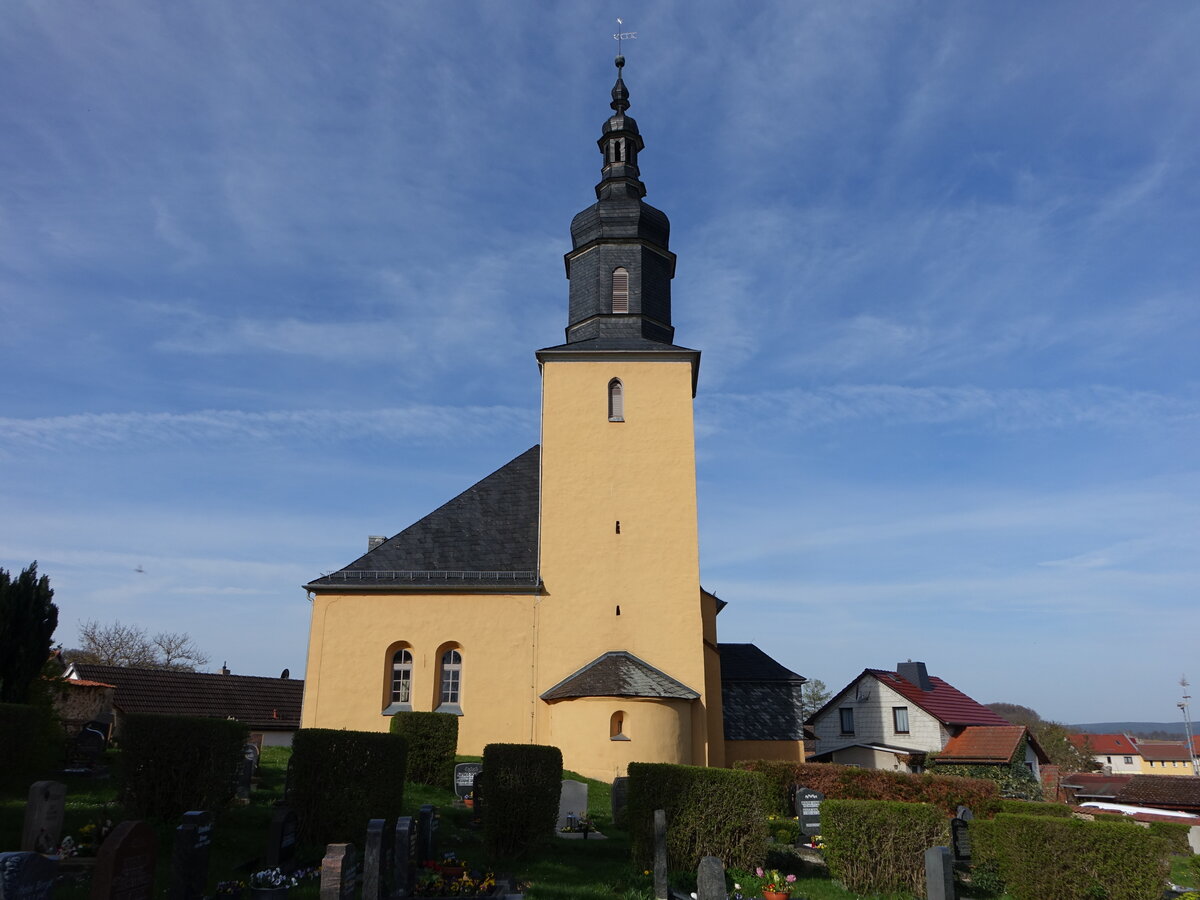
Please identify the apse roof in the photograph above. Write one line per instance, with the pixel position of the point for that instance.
(619, 673)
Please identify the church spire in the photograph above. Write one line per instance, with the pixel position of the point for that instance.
(620, 268)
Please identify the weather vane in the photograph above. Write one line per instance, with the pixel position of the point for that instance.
(623, 36)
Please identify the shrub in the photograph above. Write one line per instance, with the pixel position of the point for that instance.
(432, 742)
(19, 751)
(1175, 834)
(1035, 808)
(710, 812)
(878, 846)
(172, 764)
(1042, 856)
(339, 779)
(521, 785)
(946, 792)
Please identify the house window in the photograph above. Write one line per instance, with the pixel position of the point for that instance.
(1129, 760)
(451, 678)
(402, 665)
(847, 720)
(620, 290)
(616, 727)
(1109, 758)
(616, 401)
(900, 719)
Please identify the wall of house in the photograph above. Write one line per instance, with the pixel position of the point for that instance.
(1115, 763)
(873, 721)
(274, 738)
(653, 731)
(78, 704)
(866, 758)
(1165, 767)
(785, 751)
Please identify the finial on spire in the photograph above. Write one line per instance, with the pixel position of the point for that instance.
(620, 94)
(620, 36)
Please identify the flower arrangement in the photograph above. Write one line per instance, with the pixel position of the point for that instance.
(773, 880)
(271, 879)
(577, 824)
(436, 883)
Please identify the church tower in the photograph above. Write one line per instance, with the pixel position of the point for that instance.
(621, 645)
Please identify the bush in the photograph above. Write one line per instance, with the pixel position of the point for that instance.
(1035, 808)
(878, 846)
(710, 812)
(172, 764)
(19, 751)
(432, 743)
(1042, 856)
(946, 792)
(1175, 834)
(338, 780)
(783, 829)
(521, 785)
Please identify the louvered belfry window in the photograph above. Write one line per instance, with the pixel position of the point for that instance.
(616, 401)
(620, 291)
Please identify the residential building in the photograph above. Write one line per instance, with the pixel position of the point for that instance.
(1166, 758)
(1115, 753)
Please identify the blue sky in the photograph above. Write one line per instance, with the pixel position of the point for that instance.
(272, 275)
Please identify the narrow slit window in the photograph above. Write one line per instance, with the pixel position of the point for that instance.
(620, 290)
(616, 401)
(616, 727)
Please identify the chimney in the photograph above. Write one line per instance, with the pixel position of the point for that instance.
(915, 672)
(374, 541)
(224, 668)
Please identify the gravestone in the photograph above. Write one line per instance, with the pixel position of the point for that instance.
(125, 864)
(572, 802)
(281, 839)
(404, 854)
(620, 800)
(939, 874)
(244, 780)
(44, 816)
(27, 876)
(478, 789)
(710, 879)
(339, 869)
(427, 828)
(464, 778)
(964, 813)
(661, 889)
(189, 856)
(251, 752)
(85, 750)
(374, 865)
(808, 809)
(960, 841)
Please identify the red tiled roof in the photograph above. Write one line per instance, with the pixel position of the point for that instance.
(1180, 792)
(1164, 750)
(1118, 744)
(990, 744)
(82, 683)
(948, 704)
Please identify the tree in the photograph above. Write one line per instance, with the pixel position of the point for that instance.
(1053, 737)
(813, 695)
(132, 647)
(27, 622)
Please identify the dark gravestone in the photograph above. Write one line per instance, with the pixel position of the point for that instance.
(710, 879)
(339, 870)
(661, 889)
(44, 816)
(85, 750)
(404, 854)
(427, 827)
(620, 800)
(374, 868)
(464, 778)
(125, 864)
(281, 839)
(26, 876)
(964, 813)
(960, 841)
(808, 809)
(189, 856)
(939, 874)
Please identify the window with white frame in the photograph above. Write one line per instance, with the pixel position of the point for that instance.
(402, 666)
(846, 718)
(451, 677)
(900, 719)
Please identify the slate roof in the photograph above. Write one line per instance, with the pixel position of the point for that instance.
(945, 702)
(990, 744)
(266, 704)
(745, 662)
(1112, 744)
(619, 344)
(1171, 791)
(1159, 751)
(486, 537)
(619, 673)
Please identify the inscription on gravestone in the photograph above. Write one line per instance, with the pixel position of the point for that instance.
(189, 856)
(339, 869)
(404, 852)
(26, 876)
(281, 839)
(960, 840)
(44, 816)
(464, 778)
(808, 809)
(125, 864)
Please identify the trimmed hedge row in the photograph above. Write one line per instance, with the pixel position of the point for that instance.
(432, 743)
(20, 755)
(337, 780)
(1175, 834)
(1042, 856)
(520, 785)
(710, 812)
(946, 792)
(878, 846)
(172, 764)
(1035, 808)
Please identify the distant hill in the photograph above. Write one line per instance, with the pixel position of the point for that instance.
(1163, 731)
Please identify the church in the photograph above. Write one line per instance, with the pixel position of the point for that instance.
(558, 600)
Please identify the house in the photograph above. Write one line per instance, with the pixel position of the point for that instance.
(270, 706)
(1116, 753)
(1166, 758)
(558, 600)
(891, 720)
(994, 745)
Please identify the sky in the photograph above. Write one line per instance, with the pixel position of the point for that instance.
(272, 276)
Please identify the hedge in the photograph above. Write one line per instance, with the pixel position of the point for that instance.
(432, 743)
(1042, 856)
(520, 785)
(878, 846)
(710, 812)
(1035, 808)
(172, 764)
(338, 780)
(20, 756)
(1175, 834)
(946, 792)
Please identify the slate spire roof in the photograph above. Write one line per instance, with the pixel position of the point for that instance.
(484, 538)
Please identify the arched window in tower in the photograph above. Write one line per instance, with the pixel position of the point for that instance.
(620, 290)
(616, 401)
(451, 678)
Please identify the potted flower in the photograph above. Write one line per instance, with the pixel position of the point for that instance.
(270, 884)
(774, 885)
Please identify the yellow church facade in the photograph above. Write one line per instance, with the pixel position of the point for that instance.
(558, 600)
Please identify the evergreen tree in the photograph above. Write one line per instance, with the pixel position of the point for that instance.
(27, 622)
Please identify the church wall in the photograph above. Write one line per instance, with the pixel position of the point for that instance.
(349, 664)
(656, 731)
(785, 751)
(715, 723)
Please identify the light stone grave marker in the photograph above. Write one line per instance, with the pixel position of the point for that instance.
(339, 869)
(44, 812)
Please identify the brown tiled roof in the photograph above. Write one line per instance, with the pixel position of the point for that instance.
(1180, 792)
(79, 682)
(983, 744)
(1164, 750)
(619, 673)
(1114, 744)
(267, 704)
